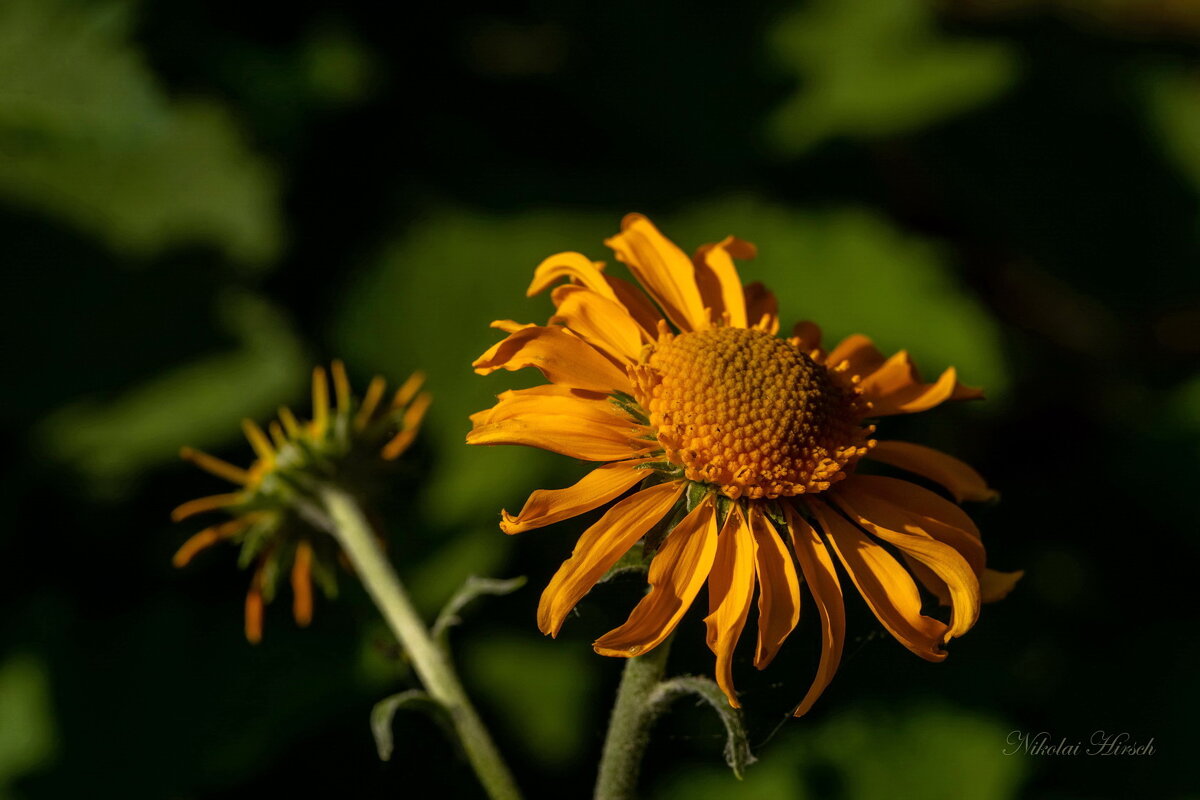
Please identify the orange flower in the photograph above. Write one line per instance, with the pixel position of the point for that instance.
(270, 510)
(745, 446)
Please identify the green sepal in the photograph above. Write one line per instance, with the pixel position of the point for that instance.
(724, 506)
(775, 513)
(634, 560)
(696, 492)
(658, 534)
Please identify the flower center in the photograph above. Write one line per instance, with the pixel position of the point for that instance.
(743, 409)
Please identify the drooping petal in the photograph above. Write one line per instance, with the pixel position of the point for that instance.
(778, 588)
(603, 323)
(563, 358)
(601, 546)
(676, 575)
(886, 585)
(821, 578)
(302, 597)
(547, 506)
(899, 517)
(730, 590)
(762, 308)
(568, 435)
(996, 585)
(945, 562)
(957, 476)
(718, 280)
(662, 268)
(917, 500)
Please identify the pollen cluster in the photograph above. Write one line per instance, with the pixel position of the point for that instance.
(749, 412)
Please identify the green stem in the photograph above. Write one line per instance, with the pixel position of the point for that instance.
(430, 661)
(629, 726)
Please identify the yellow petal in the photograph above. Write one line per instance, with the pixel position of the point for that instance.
(320, 401)
(897, 388)
(562, 357)
(762, 309)
(662, 268)
(821, 578)
(779, 588)
(547, 506)
(568, 435)
(996, 585)
(730, 590)
(861, 356)
(917, 500)
(208, 537)
(603, 323)
(202, 504)
(601, 546)
(676, 576)
(957, 476)
(637, 304)
(551, 399)
(254, 605)
(945, 562)
(872, 497)
(215, 466)
(886, 585)
(718, 280)
(573, 266)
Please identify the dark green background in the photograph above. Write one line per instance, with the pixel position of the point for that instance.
(200, 200)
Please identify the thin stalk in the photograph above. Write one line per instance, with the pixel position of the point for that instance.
(430, 661)
(629, 727)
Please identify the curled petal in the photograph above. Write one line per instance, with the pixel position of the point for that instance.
(821, 578)
(943, 560)
(563, 358)
(601, 322)
(779, 588)
(896, 388)
(718, 280)
(551, 399)
(573, 266)
(662, 268)
(601, 546)
(547, 506)
(886, 586)
(676, 574)
(957, 476)
(730, 590)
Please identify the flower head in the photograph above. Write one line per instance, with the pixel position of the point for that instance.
(745, 449)
(272, 512)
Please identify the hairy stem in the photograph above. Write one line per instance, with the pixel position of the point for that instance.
(629, 727)
(431, 662)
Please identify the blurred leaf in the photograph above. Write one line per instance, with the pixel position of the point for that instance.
(737, 745)
(928, 752)
(426, 304)
(869, 69)
(850, 271)
(474, 587)
(26, 720)
(540, 690)
(1173, 102)
(86, 134)
(198, 404)
(385, 711)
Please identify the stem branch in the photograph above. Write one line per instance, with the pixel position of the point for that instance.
(430, 661)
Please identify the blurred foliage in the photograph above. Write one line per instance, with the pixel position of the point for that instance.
(1014, 194)
(26, 720)
(198, 404)
(869, 69)
(930, 752)
(86, 133)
